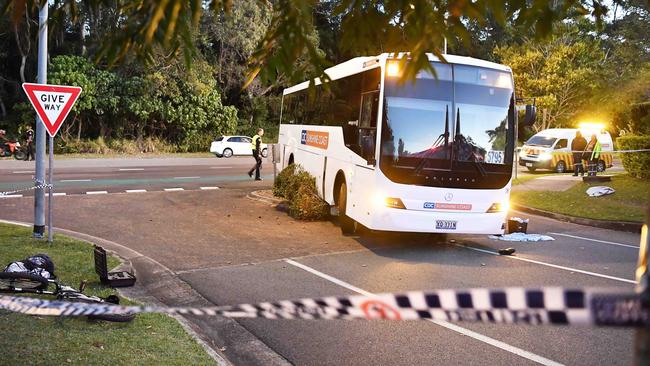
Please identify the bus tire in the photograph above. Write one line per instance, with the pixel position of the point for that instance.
(560, 167)
(347, 223)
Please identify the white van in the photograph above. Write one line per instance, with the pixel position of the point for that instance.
(551, 149)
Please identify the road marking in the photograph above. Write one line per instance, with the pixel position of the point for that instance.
(550, 265)
(97, 192)
(76, 180)
(187, 177)
(220, 167)
(208, 188)
(596, 240)
(23, 172)
(136, 190)
(130, 169)
(479, 337)
(56, 194)
(12, 196)
(173, 189)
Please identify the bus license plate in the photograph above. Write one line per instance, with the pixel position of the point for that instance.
(446, 224)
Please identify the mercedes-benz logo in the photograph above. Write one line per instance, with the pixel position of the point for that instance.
(449, 196)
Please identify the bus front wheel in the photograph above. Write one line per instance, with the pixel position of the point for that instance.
(346, 222)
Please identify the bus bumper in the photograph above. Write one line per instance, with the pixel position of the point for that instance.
(401, 220)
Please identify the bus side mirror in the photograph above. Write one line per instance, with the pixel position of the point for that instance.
(531, 115)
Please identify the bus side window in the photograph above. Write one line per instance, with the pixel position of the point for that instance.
(368, 125)
(561, 144)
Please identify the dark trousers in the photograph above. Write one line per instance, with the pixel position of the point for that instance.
(577, 164)
(592, 165)
(257, 166)
(30, 151)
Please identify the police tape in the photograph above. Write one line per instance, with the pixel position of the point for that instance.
(41, 185)
(588, 152)
(515, 305)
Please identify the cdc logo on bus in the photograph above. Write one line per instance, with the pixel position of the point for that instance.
(319, 139)
(430, 205)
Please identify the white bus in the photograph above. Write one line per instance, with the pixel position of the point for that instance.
(432, 156)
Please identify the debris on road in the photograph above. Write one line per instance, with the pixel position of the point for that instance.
(517, 225)
(521, 237)
(507, 251)
(598, 191)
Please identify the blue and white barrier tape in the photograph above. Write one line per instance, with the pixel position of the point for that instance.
(550, 305)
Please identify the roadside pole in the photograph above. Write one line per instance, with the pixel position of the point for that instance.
(39, 194)
(50, 229)
(642, 337)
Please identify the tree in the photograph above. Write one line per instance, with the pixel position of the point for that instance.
(418, 26)
(562, 73)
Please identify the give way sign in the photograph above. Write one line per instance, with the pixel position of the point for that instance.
(52, 103)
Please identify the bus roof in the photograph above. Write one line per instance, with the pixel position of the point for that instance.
(359, 64)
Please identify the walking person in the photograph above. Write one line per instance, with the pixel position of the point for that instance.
(577, 148)
(29, 142)
(256, 145)
(592, 155)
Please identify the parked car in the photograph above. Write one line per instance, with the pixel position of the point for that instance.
(227, 146)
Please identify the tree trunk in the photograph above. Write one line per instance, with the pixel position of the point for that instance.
(23, 60)
(79, 131)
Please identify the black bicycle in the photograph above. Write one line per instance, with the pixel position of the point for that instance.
(22, 282)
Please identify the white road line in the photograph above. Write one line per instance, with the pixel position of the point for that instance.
(136, 190)
(12, 196)
(466, 332)
(550, 265)
(173, 189)
(130, 169)
(56, 194)
(97, 192)
(208, 188)
(597, 241)
(187, 177)
(76, 180)
(220, 167)
(23, 172)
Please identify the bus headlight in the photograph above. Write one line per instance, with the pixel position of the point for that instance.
(545, 156)
(393, 202)
(502, 206)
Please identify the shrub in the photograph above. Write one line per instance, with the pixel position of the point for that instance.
(299, 188)
(637, 164)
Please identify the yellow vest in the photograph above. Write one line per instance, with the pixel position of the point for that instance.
(254, 142)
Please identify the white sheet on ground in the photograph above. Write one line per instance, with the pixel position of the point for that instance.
(600, 191)
(521, 237)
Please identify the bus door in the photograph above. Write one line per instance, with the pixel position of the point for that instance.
(368, 125)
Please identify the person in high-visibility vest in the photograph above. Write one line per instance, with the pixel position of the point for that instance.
(592, 155)
(256, 145)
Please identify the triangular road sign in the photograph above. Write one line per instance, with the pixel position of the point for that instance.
(52, 103)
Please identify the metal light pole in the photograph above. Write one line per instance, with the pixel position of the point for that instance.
(39, 196)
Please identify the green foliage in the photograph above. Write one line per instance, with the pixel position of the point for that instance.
(637, 164)
(298, 187)
(114, 146)
(562, 73)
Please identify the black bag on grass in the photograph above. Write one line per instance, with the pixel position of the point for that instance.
(39, 264)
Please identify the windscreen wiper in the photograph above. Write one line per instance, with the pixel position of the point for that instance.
(442, 138)
(480, 166)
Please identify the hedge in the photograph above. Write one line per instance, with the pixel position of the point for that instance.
(298, 187)
(637, 164)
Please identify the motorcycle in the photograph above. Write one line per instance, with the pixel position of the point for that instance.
(13, 148)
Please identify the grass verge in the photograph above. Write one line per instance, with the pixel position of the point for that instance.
(626, 204)
(149, 339)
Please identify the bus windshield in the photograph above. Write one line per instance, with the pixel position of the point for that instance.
(456, 126)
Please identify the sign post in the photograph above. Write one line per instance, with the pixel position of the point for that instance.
(52, 104)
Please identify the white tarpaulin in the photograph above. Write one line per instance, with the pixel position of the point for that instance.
(600, 191)
(521, 237)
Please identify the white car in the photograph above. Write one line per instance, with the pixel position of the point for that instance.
(227, 146)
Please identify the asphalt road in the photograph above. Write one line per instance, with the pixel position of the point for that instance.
(100, 176)
(235, 250)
